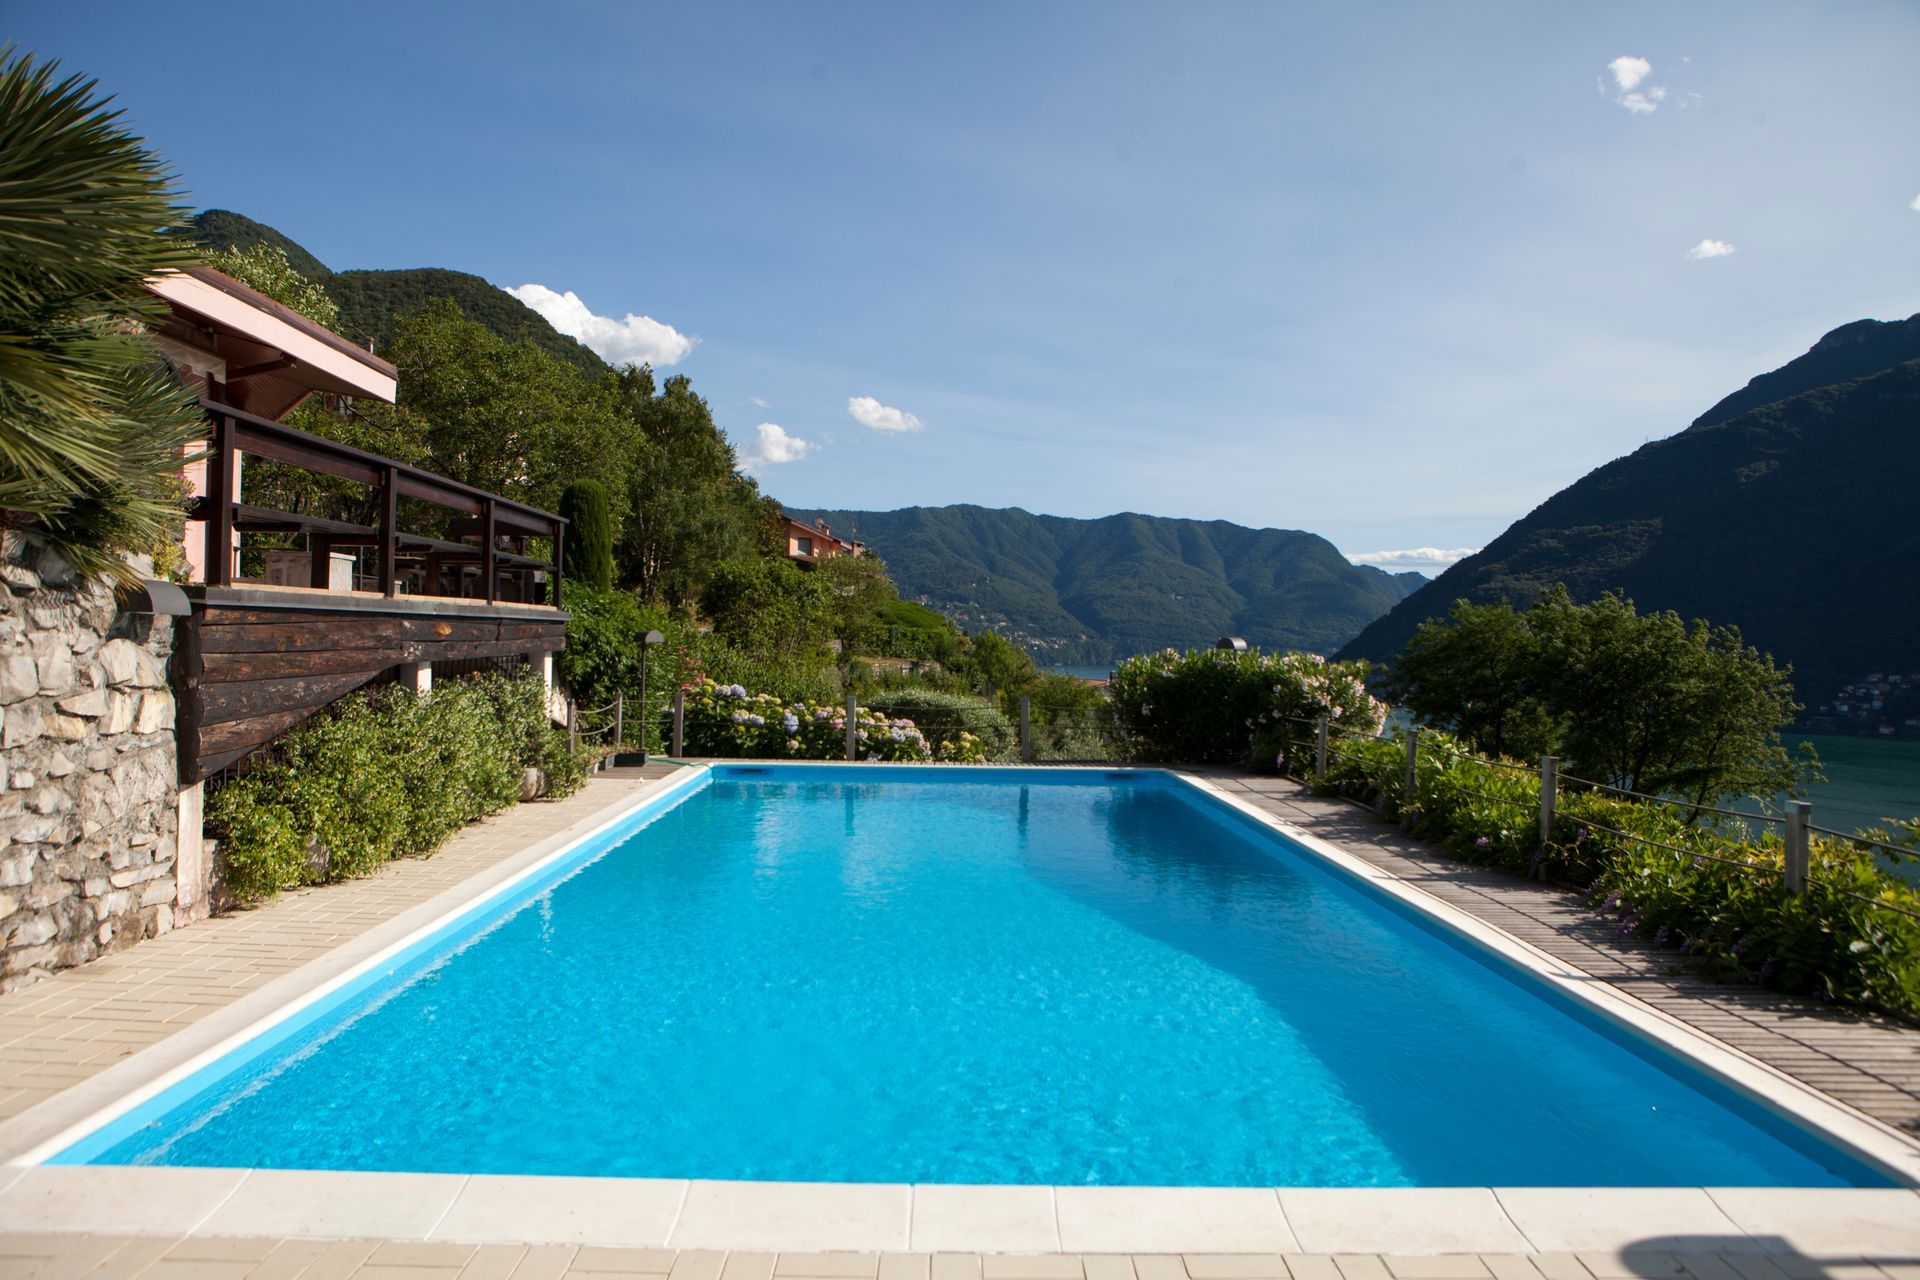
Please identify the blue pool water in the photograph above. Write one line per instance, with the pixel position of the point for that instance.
(963, 976)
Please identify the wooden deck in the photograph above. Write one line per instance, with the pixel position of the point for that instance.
(1870, 1063)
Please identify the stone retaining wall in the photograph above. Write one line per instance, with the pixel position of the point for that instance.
(88, 783)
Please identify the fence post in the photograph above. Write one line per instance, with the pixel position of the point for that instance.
(679, 723)
(1026, 729)
(573, 726)
(1413, 777)
(1799, 818)
(1320, 750)
(1549, 797)
(620, 721)
(853, 728)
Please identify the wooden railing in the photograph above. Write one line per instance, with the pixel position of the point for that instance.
(491, 518)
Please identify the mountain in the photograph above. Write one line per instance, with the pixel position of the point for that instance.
(1787, 509)
(371, 301)
(1088, 591)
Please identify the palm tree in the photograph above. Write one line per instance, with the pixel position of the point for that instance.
(92, 422)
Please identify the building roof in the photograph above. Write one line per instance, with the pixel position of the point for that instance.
(275, 356)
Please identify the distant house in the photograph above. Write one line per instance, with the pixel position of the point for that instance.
(809, 544)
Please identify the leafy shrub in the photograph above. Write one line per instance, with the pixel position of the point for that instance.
(946, 717)
(383, 775)
(1714, 892)
(1207, 706)
(727, 721)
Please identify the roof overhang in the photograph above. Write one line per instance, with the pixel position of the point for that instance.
(275, 356)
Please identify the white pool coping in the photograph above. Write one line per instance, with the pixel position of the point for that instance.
(864, 1217)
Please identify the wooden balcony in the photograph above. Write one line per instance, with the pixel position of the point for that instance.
(256, 658)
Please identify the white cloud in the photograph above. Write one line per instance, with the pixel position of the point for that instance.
(758, 403)
(1915, 206)
(1629, 74)
(1427, 560)
(634, 340)
(1629, 71)
(1710, 249)
(869, 412)
(772, 446)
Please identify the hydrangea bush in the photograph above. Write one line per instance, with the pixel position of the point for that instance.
(1216, 706)
(726, 720)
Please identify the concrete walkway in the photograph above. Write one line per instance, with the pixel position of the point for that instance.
(1872, 1064)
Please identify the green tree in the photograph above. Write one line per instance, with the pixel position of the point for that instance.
(687, 507)
(1644, 702)
(589, 543)
(503, 416)
(767, 606)
(93, 424)
(861, 590)
(1474, 674)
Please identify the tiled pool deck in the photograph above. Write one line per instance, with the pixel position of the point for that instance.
(72, 1034)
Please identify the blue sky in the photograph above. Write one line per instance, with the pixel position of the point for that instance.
(1393, 273)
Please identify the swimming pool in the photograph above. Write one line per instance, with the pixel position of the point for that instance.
(895, 974)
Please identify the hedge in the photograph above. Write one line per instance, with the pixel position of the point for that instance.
(1711, 891)
(383, 775)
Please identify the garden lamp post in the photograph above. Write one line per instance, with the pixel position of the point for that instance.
(647, 642)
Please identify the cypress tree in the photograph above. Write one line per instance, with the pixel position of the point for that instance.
(588, 555)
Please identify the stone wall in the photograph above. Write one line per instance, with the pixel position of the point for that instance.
(88, 785)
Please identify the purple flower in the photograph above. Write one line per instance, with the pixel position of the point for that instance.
(1483, 842)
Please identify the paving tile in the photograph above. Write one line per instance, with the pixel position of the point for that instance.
(1146, 1220)
(698, 1264)
(1510, 1266)
(1613, 1265)
(793, 1216)
(289, 1259)
(1826, 1221)
(748, 1266)
(1458, 1266)
(635, 1212)
(375, 1206)
(904, 1266)
(1317, 1266)
(1237, 1266)
(1361, 1266)
(1160, 1266)
(1034, 1266)
(984, 1219)
(132, 1258)
(543, 1262)
(650, 1262)
(956, 1266)
(1656, 1220)
(410, 1253)
(828, 1266)
(493, 1262)
(136, 1201)
(1108, 1266)
(1400, 1220)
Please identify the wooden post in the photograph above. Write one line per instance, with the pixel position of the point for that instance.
(1549, 797)
(220, 472)
(1413, 777)
(553, 590)
(620, 720)
(573, 726)
(487, 569)
(1026, 729)
(1799, 838)
(853, 728)
(389, 531)
(679, 723)
(1320, 750)
(321, 548)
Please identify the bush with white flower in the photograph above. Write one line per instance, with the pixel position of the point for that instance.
(725, 720)
(1217, 706)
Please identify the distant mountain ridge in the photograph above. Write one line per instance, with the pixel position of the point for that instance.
(1091, 591)
(1787, 509)
(371, 301)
